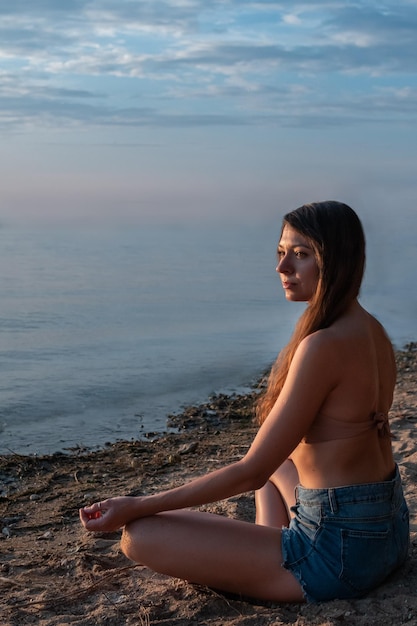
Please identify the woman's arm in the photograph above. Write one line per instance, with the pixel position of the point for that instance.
(114, 513)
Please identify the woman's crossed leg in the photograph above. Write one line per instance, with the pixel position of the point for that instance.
(219, 552)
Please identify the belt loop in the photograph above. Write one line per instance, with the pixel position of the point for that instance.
(332, 501)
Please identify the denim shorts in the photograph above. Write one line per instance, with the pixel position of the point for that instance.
(343, 542)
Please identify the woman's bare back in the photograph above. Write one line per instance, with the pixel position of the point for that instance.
(345, 444)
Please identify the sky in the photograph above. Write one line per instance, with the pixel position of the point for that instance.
(125, 110)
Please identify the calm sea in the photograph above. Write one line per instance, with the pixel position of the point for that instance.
(104, 331)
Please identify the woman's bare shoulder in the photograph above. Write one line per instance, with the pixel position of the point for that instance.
(321, 348)
(323, 340)
(356, 336)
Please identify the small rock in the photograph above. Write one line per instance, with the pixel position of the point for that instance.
(46, 536)
(187, 448)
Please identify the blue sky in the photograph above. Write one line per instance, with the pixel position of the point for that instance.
(125, 110)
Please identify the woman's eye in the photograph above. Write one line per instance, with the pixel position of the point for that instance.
(300, 254)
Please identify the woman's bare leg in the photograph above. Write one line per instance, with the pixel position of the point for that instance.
(219, 552)
(274, 500)
(270, 507)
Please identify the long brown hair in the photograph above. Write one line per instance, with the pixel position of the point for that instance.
(336, 236)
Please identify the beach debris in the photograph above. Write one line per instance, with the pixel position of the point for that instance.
(46, 536)
(152, 435)
(173, 459)
(8, 581)
(188, 448)
(136, 462)
(6, 532)
(221, 408)
(7, 485)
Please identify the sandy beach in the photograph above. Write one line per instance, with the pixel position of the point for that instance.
(52, 572)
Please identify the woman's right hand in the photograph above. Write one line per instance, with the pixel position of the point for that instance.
(110, 515)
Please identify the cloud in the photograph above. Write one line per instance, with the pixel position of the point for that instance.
(216, 62)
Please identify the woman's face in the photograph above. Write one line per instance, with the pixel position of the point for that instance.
(297, 266)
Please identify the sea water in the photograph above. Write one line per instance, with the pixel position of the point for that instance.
(105, 330)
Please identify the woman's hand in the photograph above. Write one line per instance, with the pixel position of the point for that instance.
(109, 515)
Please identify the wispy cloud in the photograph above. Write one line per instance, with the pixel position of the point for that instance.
(206, 63)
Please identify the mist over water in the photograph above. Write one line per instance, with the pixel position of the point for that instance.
(104, 331)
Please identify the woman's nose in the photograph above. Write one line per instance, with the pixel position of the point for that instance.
(283, 267)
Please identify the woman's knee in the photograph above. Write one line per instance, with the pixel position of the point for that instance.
(135, 541)
(126, 542)
(142, 539)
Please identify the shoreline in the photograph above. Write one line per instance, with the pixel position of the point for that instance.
(52, 572)
(142, 428)
(215, 411)
(180, 420)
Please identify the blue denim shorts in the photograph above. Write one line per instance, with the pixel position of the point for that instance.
(343, 542)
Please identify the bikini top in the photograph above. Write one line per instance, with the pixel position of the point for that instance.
(325, 428)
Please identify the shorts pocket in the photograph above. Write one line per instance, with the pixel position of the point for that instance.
(402, 534)
(366, 558)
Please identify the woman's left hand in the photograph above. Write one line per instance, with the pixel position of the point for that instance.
(109, 515)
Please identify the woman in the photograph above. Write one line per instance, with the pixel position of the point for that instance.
(324, 425)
